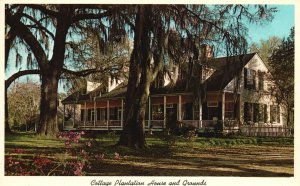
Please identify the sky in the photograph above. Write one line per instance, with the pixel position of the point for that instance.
(283, 20)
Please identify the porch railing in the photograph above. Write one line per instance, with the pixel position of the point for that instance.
(100, 124)
(266, 130)
(156, 124)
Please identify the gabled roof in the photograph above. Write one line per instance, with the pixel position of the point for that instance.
(226, 69)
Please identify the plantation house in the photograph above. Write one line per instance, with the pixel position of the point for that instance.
(236, 92)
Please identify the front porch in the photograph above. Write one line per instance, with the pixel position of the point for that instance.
(165, 112)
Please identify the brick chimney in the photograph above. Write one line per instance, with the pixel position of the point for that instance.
(206, 51)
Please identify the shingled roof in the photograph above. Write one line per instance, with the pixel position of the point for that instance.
(226, 69)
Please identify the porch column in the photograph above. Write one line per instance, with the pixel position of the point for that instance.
(74, 110)
(239, 112)
(107, 116)
(252, 113)
(85, 113)
(149, 112)
(268, 113)
(223, 109)
(122, 112)
(200, 112)
(165, 111)
(179, 108)
(95, 115)
(64, 117)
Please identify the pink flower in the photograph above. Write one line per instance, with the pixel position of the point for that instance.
(89, 144)
(117, 156)
(18, 151)
(77, 172)
(40, 161)
(99, 157)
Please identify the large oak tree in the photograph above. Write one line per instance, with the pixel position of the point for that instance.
(38, 26)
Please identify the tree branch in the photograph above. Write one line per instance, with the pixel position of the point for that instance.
(43, 9)
(38, 25)
(19, 74)
(83, 73)
(24, 33)
(79, 17)
(11, 35)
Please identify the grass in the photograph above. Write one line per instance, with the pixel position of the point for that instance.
(174, 156)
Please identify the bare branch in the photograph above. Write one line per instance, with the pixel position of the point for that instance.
(19, 74)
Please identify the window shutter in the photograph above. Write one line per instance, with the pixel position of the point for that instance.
(245, 77)
(254, 79)
(278, 114)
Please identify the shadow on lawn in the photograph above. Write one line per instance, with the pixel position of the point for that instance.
(160, 159)
(114, 169)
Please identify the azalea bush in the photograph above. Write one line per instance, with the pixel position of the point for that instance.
(75, 160)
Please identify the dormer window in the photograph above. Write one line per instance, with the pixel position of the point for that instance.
(83, 92)
(159, 82)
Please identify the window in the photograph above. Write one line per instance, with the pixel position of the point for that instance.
(229, 110)
(82, 114)
(89, 114)
(265, 113)
(275, 114)
(159, 82)
(92, 115)
(254, 112)
(249, 79)
(208, 112)
(113, 113)
(196, 114)
(248, 112)
(101, 114)
(187, 111)
(157, 112)
(83, 91)
(260, 80)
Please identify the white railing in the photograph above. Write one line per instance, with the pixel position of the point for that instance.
(266, 131)
(157, 124)
(190, 123)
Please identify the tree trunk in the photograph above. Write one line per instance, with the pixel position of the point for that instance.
(48, 125)
(48, 105)
(140, 78)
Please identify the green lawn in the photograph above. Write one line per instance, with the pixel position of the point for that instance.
(165, 156)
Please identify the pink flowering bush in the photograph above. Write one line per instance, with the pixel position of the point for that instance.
(76, 159)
